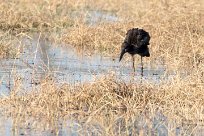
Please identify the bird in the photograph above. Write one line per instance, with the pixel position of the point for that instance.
(136, 42)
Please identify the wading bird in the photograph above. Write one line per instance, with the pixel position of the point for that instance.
(136, 42)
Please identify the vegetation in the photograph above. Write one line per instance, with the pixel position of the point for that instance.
(7, 43)
(177, 39)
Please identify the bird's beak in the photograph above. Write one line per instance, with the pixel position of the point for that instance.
(122, 53)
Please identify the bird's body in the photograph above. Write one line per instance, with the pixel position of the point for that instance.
(136, 42)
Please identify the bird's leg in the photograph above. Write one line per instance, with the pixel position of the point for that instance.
(133, 64)
(141, 67)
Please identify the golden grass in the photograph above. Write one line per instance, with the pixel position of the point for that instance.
(159, 18)
(176, 30)
(105, 38)
(22, 15)
(108, 99)
(8, 46)
(177, 39)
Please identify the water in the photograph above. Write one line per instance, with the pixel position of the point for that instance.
(41, 58)
(92, 17)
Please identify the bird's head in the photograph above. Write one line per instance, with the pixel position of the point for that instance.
(143, 38)
(124, 49)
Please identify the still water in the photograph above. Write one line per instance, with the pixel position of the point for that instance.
(40, 58)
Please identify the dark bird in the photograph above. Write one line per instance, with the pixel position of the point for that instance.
(136, 42)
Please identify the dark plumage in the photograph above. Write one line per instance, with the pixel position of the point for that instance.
(136, 42)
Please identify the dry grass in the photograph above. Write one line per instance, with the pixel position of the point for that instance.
(104, 38)
(8, 46)
(177, 41)
(68, 19)
(175, 27)
(23, 16)
(176, 30)
(108, 99)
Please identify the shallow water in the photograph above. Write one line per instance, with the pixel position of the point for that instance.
(41, 58)
(93, 17)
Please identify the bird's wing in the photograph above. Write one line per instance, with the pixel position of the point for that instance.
(137, 37)
(145, 38)
(131, 36)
